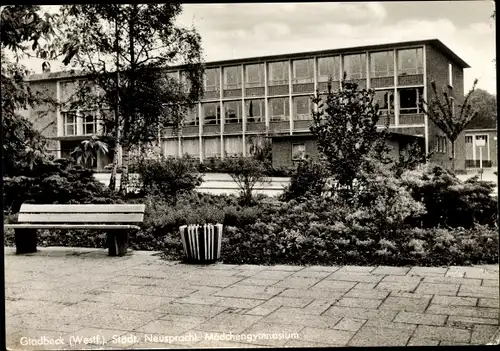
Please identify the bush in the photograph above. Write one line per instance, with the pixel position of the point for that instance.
(448, 201)
(168, 177)
(246, 172)
(308, 179)
(55, 183)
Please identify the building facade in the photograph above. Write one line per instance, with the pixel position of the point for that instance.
(247, 99)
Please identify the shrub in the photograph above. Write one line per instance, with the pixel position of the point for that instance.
(309, 179)
(246, 172)
(168, 177)
(448, 201)
(55, 183)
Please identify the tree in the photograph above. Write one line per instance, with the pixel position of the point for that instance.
(410, 157)
(246, 172)
(22, 31)
(86, 153)
(124, 51)
(486, 106)
(346, 131)
(450, 119)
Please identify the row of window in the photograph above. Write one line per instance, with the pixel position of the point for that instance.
(409, 62)
(70, 120)
(211, 147)
(279, 108)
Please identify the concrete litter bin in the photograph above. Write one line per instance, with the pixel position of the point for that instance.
(202, 243)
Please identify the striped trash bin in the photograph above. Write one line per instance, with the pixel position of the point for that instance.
(202, 243)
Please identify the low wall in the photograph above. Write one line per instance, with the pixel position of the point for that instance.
(213, 183)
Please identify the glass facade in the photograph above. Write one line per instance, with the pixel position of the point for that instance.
(279, 109)
(302, 108)
(232, 77)
(382, 64)
(329, 67)
(212, 79)
(355, 66)
(255, 110)
(303, 71)
(211, 113)
(278, 73)
(410, 61)
(254, 75)
(232, 112)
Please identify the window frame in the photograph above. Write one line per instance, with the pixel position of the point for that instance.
(262, 108)
(309, 62)
(285, 78)
(417, 108)
(450, 74)
(362, 73)
(66, 124)
(336, 75)
(303, 152)
(261, 76)
(216, 86)
(391, 107)
(284, 116)
(217, 113)
(196, 120)
(390, 64)
(441, 144)
(238, 113)
(302, 116)
(419, 59)
(93, 114)
(231, 86)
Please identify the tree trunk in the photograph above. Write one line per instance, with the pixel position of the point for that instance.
(124, 179)
(453, 156)
(116, 154)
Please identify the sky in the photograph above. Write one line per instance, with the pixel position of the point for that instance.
(242, 30)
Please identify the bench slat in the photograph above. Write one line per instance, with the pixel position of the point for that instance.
(71, 226)
(86, 208)
(80, 218)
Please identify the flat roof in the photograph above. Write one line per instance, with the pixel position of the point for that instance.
(436, 43)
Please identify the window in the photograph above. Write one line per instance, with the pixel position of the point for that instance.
(441, 144)
(302, 108)
(192, 117)
(185, 81)
(278, 73)
(450, 74)
(211, 113)
(409, 100)
(328, 67)
(279, 109)
(173, 75)
(468, 139)
(410, 61)
(255, 110)
(303, 71)
(382, 64)
(89, 123)
(232, 77)
(69, 120)
(211, 147)
(480, 139)
(385, 100)
(298, 152)
(212, 79)
(254, 75)
(355, 66)
(232, 112)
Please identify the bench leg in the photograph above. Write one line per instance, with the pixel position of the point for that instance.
(25, 240)
(117, 242)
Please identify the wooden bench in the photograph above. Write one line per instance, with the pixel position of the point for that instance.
(116, 219)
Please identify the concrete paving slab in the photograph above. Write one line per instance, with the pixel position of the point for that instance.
(78, 292)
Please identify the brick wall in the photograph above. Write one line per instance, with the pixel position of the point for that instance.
(437, 70)
(44, 117)
(282, 149)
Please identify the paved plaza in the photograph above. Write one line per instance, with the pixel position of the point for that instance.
(75, 298)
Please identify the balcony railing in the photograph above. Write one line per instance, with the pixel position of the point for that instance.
(411, 118)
